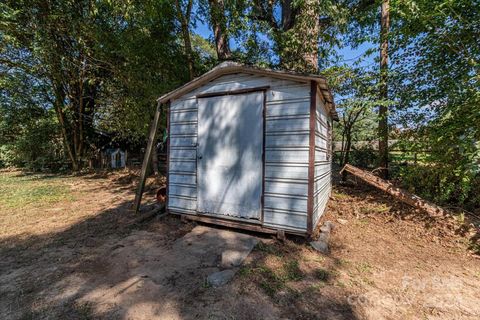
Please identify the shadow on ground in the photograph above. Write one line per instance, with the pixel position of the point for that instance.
(108, 267)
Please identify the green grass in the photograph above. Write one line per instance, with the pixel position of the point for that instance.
(322, 274)
(271, 281)
(292, 271)
(269, 249)
(364, 267)
(18, 191)
(340, 196)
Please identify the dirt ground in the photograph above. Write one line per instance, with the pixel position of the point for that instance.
(69, 248)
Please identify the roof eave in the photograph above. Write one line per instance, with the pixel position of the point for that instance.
(232, 67)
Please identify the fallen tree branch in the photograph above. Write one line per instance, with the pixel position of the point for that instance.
(402, 195)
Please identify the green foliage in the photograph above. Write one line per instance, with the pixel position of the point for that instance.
(357, 126)
(439, 98)
(28, 132)
(100, 66)
(33, 151)
(7, 156)
(73, 71)
(145, 60)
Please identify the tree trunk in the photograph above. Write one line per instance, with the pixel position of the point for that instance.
(58, 105)
(184, 19)
(346, 152)
(297, 38)
(311, 35)
(399, 194)
(383, 110)
(219, 25)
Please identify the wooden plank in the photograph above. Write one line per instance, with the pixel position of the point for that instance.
(400, 194)
(311, 159)
(229, 223)
(147, 158)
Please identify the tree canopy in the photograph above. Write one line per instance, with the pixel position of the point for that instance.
(72, 72)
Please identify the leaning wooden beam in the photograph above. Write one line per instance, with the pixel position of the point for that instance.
(402, 195)
(147, 157)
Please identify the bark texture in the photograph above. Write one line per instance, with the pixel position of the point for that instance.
(184, 15)
(219, 25)
(297, 33)
(399, 194)
(383, 109)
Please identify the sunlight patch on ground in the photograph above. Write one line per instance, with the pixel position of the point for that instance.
(18, 191)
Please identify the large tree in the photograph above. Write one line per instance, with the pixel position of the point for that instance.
(184, 16)
(94, 58)
(383, 108)
(61, 46)
(300, 30)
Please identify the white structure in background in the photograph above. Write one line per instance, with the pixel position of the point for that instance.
(118, 159)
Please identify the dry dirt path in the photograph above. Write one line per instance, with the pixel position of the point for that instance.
(82, 258)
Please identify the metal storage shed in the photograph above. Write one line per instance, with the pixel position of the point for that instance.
(250, 148)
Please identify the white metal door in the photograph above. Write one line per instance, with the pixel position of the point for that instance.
(229, 155)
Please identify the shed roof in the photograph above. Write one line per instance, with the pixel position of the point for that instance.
(229, 67)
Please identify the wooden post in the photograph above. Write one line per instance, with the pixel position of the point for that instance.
(147, 157)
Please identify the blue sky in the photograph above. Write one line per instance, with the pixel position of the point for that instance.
(349, 55)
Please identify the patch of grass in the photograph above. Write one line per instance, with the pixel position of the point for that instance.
(363, 221)
(460, 218)
(269, 248)
(475, 246)
(83, 311)
(363, 267)
(340, 196)
(270, 282)
(18, 191)
(315, 287)
(343, 262)
(292, 271)
(322, 274)
(245, 271)
(380, 208)
(205, 284)
(318, 259)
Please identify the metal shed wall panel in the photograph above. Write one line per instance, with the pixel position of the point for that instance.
(286, 147)
(182, 190)
(323, 164)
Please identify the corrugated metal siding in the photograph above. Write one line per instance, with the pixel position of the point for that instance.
(182, 191)
(323, 166)
(286, 148)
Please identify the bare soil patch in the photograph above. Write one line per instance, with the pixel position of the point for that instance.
(80, 256)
